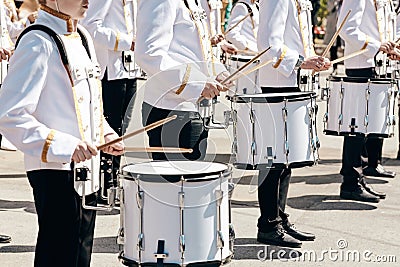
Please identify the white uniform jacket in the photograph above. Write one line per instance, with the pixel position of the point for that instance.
(174, 49)
(112, 26)
(363, 30)
(41, 113)
(280, 28)
(245, 34)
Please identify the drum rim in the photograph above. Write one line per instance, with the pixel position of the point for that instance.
(173, 178)
(242, 58)
(360, 79)
(272, 97)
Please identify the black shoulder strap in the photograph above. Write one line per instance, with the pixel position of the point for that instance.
(248, 8)
(53, 35)
(57, 40)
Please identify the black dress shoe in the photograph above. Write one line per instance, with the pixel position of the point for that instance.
(5, 239)
(278, 237)
(294, 232)
(379, 171)
(370, 190)
(359, 194)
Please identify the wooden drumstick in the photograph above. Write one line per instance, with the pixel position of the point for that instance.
(237, 23)
(349, 56)
(333, 39)
(245, 66)
(239, 70)
(252, 69)
(159, 149)
(141, 130)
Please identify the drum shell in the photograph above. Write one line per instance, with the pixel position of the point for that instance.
(161, 217)
(373, 112)
(248, 84)
(269, 130)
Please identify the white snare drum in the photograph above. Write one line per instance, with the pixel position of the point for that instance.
(360, 106)
(247, 84)
(176, 212)
(276, 129)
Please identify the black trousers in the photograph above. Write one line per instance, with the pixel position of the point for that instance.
(118, 100)
(66, 230)
(273, 185)
(186, 131)
(355, 146)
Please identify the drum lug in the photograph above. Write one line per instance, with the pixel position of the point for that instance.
(220, 242)
(253, 148)
(140, 243)
(325, 120)
(140, 199)
(340, 119)
(181, 243)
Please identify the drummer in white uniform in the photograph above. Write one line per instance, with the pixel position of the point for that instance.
(362, 30)
(283, 26)
(244, 36)
(218, 40)
(52, 111)
(112, 24)
(174, 49)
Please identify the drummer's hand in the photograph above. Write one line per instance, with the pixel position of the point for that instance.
(33, 16)
(221, 77)
(327, 64)
(84, 151)
(229, 48)
(5, 54)
(316, 63)
(114, 149)
(216, 39)
(387, 47)
(395, 54)
(211, 90)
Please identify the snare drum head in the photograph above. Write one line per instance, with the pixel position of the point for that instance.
(271, 97)
(173, 171)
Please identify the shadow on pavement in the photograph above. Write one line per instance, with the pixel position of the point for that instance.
(324, 202)
(312, 202)
(250, 249)
(28, 206)
(329, 179)
(101, 245)
(106, 244)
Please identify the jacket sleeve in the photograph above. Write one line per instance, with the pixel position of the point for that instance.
(153, 39)
(234, 36)
(271, 33)
(103, 35)
(19, 96)
(351, 33)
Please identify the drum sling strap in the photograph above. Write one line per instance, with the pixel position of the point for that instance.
(57, 39)
(249, 8)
